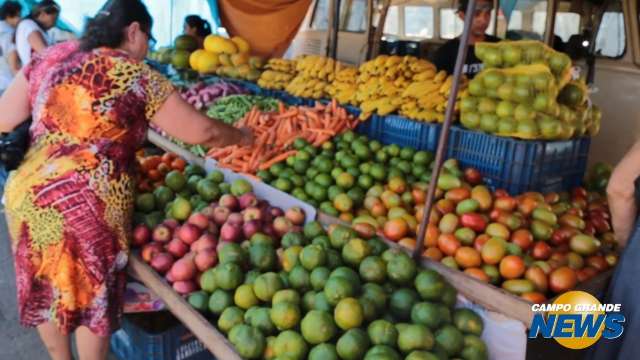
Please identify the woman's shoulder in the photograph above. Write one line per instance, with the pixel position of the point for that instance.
(27, 25)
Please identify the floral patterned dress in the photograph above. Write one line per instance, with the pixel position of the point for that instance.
(70, 203)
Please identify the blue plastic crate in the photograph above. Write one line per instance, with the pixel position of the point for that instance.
(394, 129)
(176, 342)
(521, 165)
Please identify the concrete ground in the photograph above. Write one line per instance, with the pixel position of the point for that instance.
(16, 342)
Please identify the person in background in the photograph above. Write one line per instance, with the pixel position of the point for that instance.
(31, 34)
(197, 27)
(445, 56)
(70, 202)
(9, 63)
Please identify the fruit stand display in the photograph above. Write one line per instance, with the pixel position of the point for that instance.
(280, 287)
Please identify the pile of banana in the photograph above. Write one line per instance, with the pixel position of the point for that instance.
(344, 86)
(278, 74)
(426, 98)
(314, 74)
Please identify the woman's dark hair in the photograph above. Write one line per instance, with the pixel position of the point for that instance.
(44, 6)
(10, 9)
(107, 27)
(202, 26)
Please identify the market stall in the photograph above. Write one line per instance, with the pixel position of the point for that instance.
(361, 197)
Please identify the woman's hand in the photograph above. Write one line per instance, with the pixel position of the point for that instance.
(247, 137)
(182, 121)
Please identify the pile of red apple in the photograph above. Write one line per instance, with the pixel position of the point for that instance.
(182, 252)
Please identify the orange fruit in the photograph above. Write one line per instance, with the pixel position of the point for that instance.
(396, 229)
(458, 194)
(477, 273)
(448, 244)
(409, 243)
(433, 253)
(534, 297)
(431, 237)
(512, 267)
(178, 164)
(562, 279)
(468, 257)
(523, 238)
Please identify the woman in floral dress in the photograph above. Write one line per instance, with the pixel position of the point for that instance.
(70, 202)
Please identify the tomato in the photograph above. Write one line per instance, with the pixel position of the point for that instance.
(579, 192)
(541, 251)
(552, 198)
(527, 204)
(562, 235)
(473, 221)
(501, 193)
(572, 221)
(480, 240)
(534, 297)
(448, 244)
(538, 277)
(597, 262)
(472, 176)
(468, 257)
(446, 206)
(178, 164)
(163, 168)
(458, 194)
(505, 203)
(419, 196)
(589, 228)
(151, 162)
(512, 267)
(154, 175)
(523, 238)
(168, 158)
(433, 253)
(600, 223)
(478, 274)
(562, 279)
(580, 203)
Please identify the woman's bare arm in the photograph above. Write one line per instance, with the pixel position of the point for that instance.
(620, 192)
(36, 41)
(14, 62)
(14, 104)
(182, 121)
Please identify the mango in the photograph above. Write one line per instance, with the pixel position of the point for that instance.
(519, 286)
(541, 230)
(584, 244)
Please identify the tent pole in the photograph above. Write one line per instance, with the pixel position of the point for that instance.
(335, 29)
(444, 135)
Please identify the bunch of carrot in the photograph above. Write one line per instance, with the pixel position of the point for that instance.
(275, 133)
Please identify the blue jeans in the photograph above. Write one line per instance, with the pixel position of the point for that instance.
(3, 176)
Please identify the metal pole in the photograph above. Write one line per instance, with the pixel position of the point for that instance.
(549, 31)
(333, 50)
(444, 135)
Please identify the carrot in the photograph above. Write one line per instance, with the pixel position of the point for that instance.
(277, 159)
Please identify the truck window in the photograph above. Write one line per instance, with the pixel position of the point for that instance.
(392, 22)
(450, 24)
(611, 39)
(567, 24)
(352, 18)
(356, 16)
(418, 21)
(320, 19)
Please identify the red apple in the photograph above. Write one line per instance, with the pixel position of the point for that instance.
(213, 228)
(177, 248)
(229, 201)
(189, 233)
(200, 220)
(247, 200)
(208, 212)
(141, 235)
(149, 250)
(185, 287)
(206, 259)
(171, 223)
(251, 227)
(295, 215)
(183, 269)
(162, 233)
(276, 212)
(221, 214)
(282, 225)
(206, 241)
(236, 219)
(230, 233)
(162, 262)
(252, 213)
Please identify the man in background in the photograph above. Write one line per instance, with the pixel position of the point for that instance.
(445, 56)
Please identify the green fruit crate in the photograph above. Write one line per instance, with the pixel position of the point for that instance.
(521, 165)
(158, 336)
